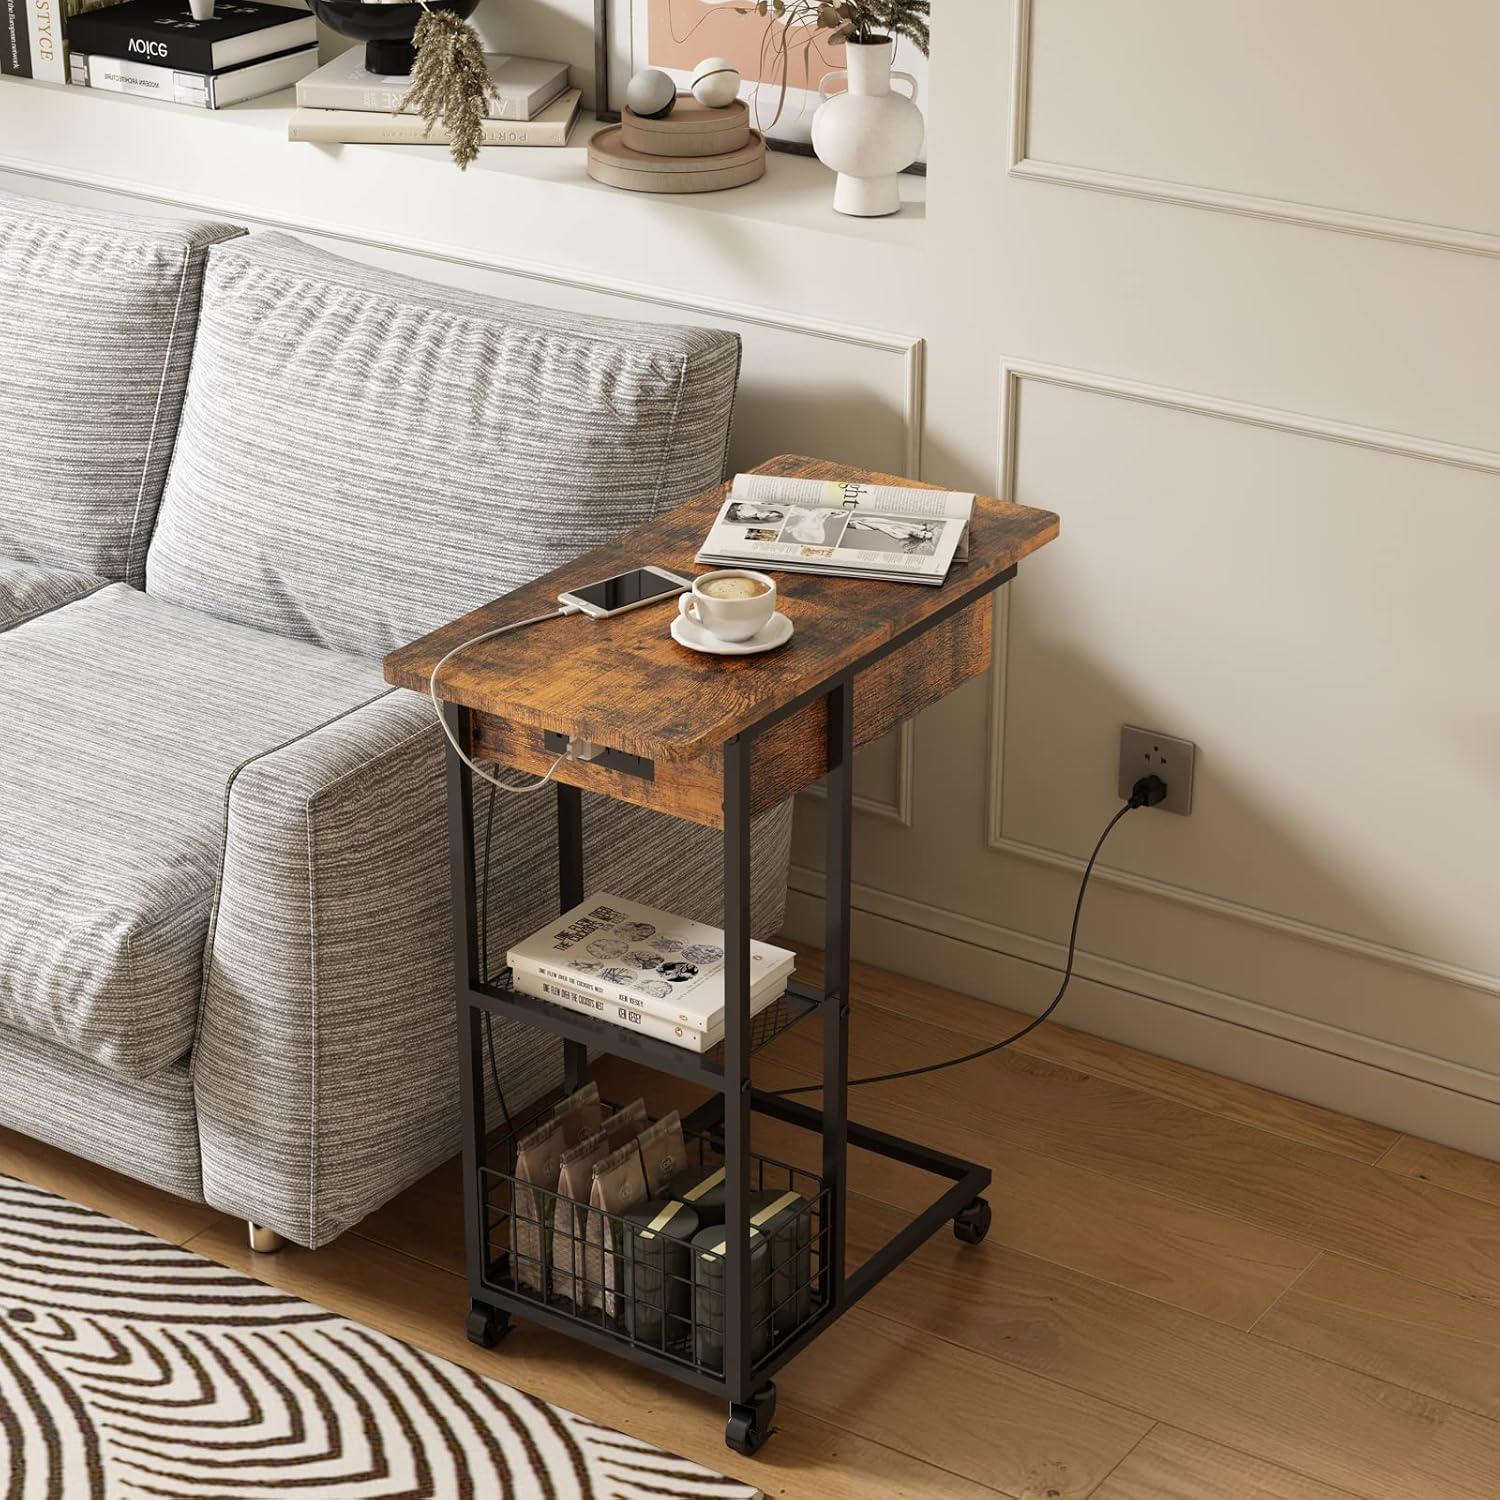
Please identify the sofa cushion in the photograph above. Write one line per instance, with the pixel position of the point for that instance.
(27, 590)
(364, 456)
(97, 312)
(126, 721)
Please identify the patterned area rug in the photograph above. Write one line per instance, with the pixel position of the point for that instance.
(130, 1367)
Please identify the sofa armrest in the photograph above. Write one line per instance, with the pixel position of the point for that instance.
(325, 1072)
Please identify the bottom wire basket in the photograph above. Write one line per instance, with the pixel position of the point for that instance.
(654, 1273)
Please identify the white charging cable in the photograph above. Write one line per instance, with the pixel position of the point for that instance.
(437, 703)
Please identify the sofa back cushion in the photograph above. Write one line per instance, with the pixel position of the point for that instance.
(97, 312)
(364, 456)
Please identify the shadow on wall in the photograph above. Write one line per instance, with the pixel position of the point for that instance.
(559, 30)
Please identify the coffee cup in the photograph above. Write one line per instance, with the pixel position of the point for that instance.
(731, 603)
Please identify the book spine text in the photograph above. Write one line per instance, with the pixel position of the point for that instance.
(15, 41)
(117, 77)
(624, 1016)
(44, 23)
(340, 127)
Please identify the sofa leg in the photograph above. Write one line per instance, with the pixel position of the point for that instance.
(265, 1241)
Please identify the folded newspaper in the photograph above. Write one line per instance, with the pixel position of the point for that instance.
(845, 529)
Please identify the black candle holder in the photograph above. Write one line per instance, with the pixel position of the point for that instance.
(384, 26)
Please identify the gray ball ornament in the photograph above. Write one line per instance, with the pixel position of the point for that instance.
(651, 94)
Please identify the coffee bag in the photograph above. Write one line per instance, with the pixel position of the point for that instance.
(580, 1115)
(618, 1183)
(538, 1155)
(575, 1180)
(663, 1152)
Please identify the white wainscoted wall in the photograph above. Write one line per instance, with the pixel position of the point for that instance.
(1221, 285)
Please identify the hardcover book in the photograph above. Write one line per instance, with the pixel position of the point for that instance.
(15, 40)
(198, 90)
(44, 26)
(164, 34)
(630, 1018)
(369, 128)
(648, 960)
(524, 85)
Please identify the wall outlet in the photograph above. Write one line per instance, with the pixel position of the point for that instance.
(1144, 752)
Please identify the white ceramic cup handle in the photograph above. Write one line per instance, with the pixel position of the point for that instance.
(897, 73)
(685, 607)
(836, 74)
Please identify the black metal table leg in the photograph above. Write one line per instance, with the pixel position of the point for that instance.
(569, 894)
(750, 1410)
(485, 1324)
(837, 854)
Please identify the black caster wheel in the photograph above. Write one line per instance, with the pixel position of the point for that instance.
(486, 1325)
(971, 1224)
(750, 1422)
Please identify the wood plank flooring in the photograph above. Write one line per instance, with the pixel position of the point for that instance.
(1193, 1289)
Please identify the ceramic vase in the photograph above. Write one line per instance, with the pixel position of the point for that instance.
(870, 132)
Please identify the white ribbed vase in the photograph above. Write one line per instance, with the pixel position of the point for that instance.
(870, 133)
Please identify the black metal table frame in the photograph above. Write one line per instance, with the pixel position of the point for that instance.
(747, 1389)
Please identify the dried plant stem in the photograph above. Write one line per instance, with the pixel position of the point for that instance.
(449, 82)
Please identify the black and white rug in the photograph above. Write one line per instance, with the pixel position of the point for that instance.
(131, 1367)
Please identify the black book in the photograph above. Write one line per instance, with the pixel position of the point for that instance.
(164, 33)
(15, 39)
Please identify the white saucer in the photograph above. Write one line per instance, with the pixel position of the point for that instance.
(777, 631)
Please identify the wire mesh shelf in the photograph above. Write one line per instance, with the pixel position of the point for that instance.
(655, 1277)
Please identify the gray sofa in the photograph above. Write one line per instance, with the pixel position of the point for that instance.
(235, 472)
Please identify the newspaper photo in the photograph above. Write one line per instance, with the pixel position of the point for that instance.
(844, 529)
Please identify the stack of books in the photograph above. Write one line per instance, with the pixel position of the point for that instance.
(343, 102)
(643, 970)
(156, 49)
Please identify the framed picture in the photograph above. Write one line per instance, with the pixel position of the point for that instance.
(675, 35)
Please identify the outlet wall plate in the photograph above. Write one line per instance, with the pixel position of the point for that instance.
(1146, 752)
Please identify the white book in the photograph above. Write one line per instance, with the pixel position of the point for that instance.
(370, 128)
(627, 1017)
(199, 90)
(525, 85)
(45, 23)
(654, 961)
(767, 986)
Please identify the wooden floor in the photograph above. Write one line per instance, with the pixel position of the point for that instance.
(1193, 1290)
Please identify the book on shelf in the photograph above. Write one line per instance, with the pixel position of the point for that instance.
(611, 955)
(524, 86)
(370, 128)
(15, 39)
(45, 30)
(630, 1018)
(198, 90)
(164, 34)
(842, 530)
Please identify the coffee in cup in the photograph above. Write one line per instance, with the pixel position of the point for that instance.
(734, 587)
(732, 603)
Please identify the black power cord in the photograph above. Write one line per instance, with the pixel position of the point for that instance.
(1147, 792)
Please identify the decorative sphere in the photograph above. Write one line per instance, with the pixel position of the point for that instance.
(651, 94)
(716, 82)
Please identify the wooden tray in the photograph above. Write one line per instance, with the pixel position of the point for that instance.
(692, 129)
(613, 163)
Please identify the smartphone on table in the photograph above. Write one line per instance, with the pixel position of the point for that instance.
(626, 591)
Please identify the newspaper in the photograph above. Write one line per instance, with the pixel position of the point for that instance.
(842, 529)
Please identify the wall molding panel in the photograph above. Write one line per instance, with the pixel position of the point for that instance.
(1192, 195)
(1014, 374)
(1207, 1028)
(899, 808)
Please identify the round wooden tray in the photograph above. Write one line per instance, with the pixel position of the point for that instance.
(692, 129)
(613, 163)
